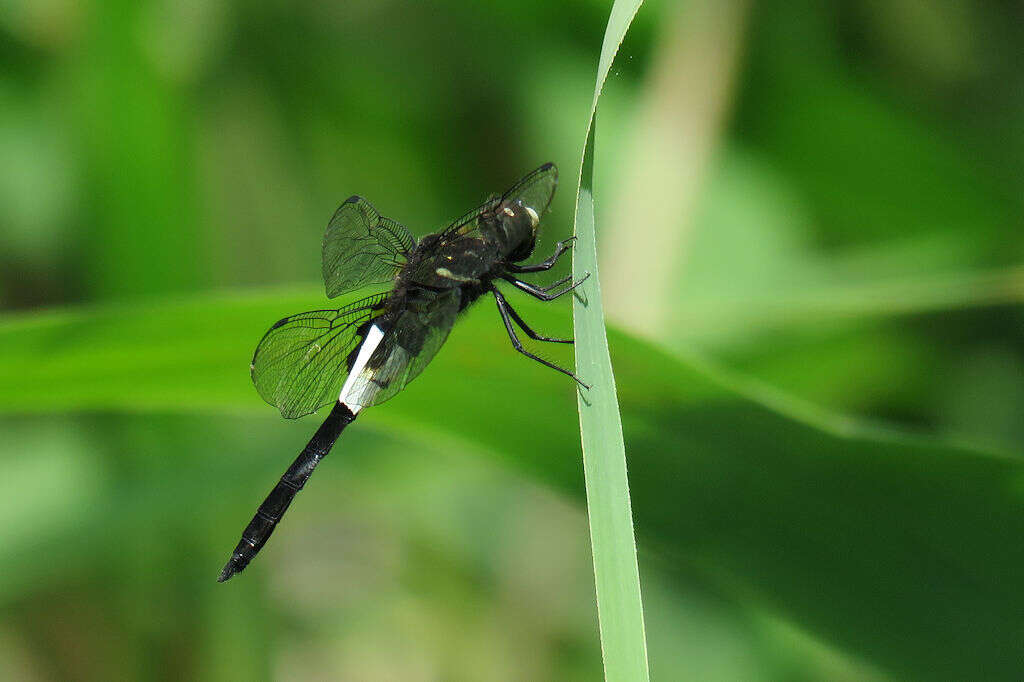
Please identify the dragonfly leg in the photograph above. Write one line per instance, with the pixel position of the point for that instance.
(555, 284)
(526, 328)
(560, 248)
(540, 292)
(506, 317)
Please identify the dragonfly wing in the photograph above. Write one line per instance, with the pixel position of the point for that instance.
(535, 191)
(407, 348)
(300, 364)
(362, 247)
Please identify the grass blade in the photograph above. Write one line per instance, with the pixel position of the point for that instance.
(821, 522)
(616, 575)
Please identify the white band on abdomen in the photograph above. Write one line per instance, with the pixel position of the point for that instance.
(370, 343)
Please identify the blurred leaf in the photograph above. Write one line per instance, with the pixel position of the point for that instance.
(902, 551)
(133, 134)
(868, 167)
(813, 305)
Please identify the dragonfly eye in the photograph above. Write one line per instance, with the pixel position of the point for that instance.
(511, 213)
(534, 218)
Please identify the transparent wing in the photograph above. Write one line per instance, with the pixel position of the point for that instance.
(362, 247)
(300, 363)
(535, 191)
(407, 347)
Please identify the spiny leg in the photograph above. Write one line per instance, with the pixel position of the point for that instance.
(541, 292)
(555, 284)
(503, 310)
(560, 248)
(526, 328)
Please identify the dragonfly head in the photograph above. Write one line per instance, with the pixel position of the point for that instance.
(517, 229)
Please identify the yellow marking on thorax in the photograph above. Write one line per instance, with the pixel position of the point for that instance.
(448, 274)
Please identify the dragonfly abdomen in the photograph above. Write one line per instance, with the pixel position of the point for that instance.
(276, 504)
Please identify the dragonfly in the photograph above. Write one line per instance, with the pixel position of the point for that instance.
(364, 353)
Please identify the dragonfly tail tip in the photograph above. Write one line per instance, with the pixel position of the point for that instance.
(228, 571)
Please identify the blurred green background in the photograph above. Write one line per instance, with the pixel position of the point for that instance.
(809, 219)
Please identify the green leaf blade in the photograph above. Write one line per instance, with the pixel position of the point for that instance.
(901, 551)
(609, 510)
